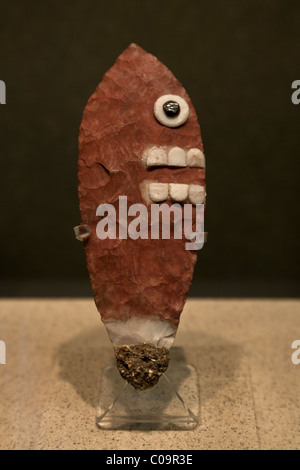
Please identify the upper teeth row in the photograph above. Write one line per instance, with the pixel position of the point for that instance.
(194, 193)
(174, 156)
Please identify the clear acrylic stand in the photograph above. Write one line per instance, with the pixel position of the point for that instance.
(173, 403)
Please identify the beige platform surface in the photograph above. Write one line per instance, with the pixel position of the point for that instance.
(250, 389)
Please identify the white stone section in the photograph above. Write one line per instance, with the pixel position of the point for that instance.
(195, 158)
(171, 121)
(157, 156)
(197, 194)
(178, 192)
(177, 157)
(158, 192)
(140, 330)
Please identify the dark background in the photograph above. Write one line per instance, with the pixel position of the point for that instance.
(237, 60)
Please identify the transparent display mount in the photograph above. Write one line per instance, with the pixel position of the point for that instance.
(173, 403)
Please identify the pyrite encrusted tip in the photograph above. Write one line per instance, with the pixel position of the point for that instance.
(142, 364)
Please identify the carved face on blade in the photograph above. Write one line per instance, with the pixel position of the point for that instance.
(139, 138)
(173, 111)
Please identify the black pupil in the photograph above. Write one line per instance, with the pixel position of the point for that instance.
(171, 109)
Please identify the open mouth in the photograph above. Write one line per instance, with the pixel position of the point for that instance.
(173, 158)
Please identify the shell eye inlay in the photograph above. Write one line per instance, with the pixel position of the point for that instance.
(171, 108)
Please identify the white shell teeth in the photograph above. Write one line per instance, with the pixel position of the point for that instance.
(197, 194)
(157, 156)
(178, 192)
(177, 157)
(158, 192)
(195, 158)
(174, 156)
